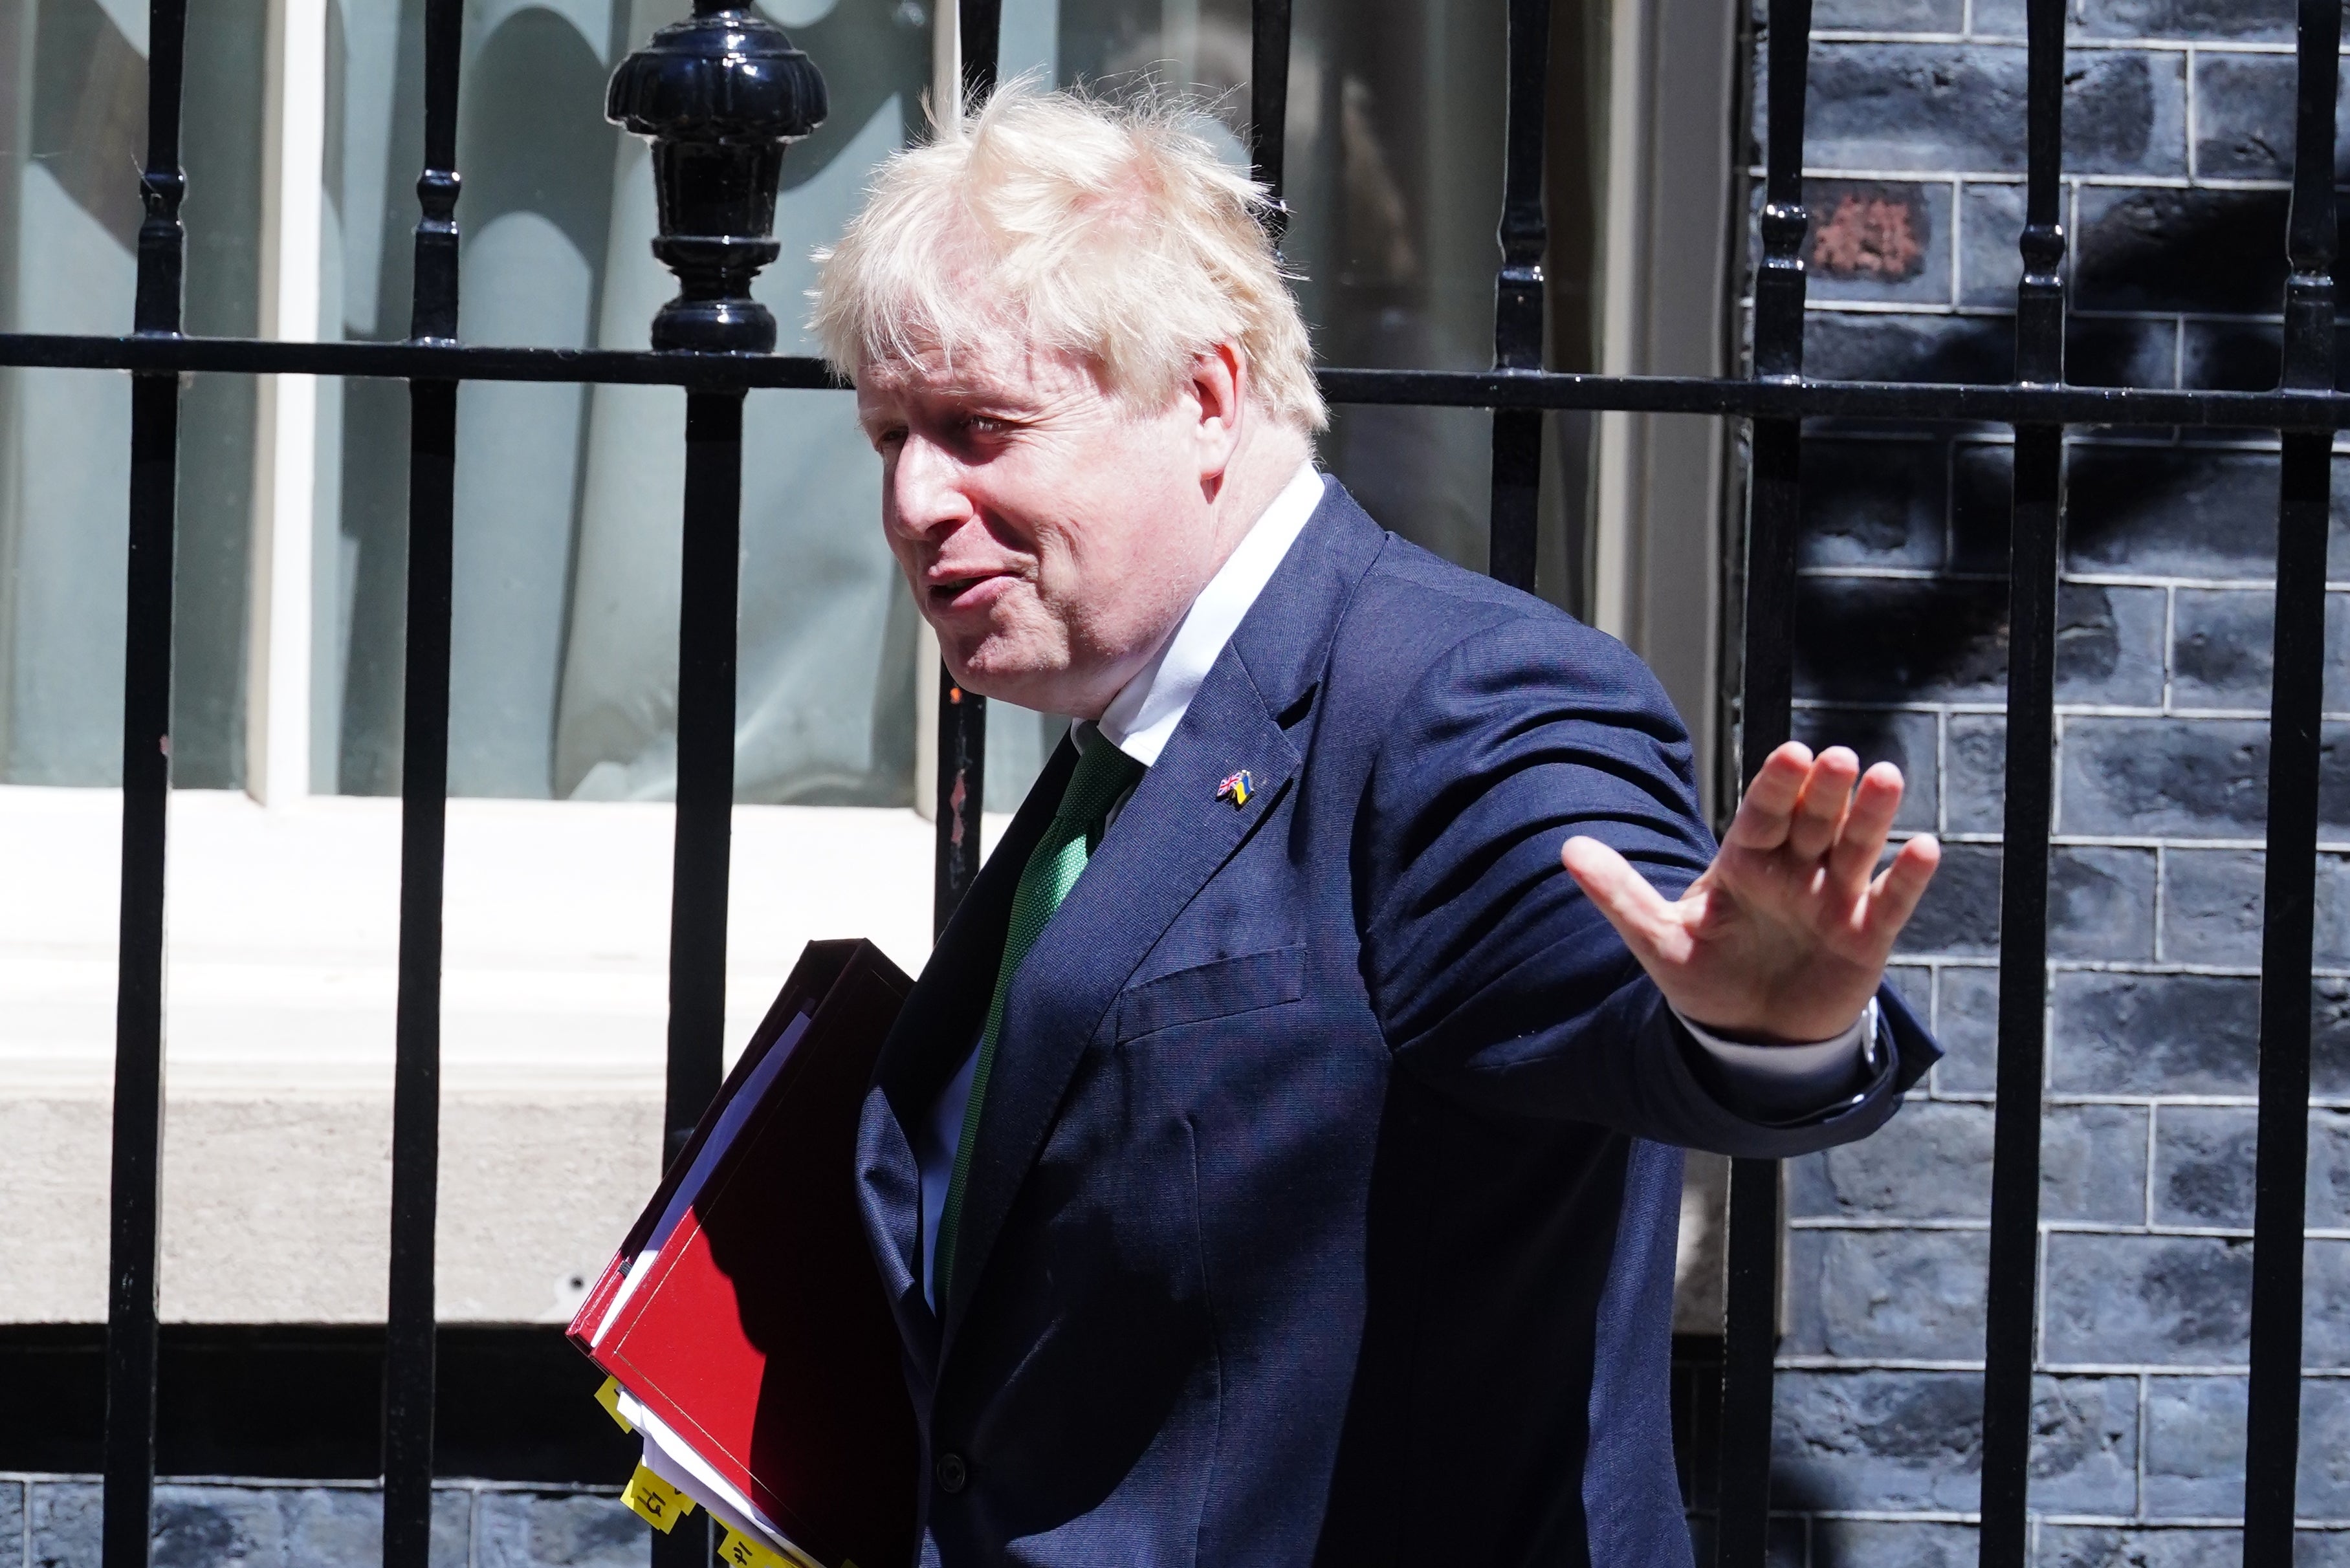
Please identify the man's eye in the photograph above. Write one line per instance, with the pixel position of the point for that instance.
(887, 438)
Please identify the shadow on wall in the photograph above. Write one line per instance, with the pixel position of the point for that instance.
(1933, 502)
(1904, 611)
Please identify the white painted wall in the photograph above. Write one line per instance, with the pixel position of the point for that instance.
(283, 928)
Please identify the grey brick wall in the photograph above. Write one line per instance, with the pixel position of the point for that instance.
(2177, 136)
(52, 1522)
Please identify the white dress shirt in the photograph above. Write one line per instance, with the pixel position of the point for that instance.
(1139, 721)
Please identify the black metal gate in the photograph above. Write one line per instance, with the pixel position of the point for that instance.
(2040, 406)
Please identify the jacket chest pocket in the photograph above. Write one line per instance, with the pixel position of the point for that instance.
(1243, 983)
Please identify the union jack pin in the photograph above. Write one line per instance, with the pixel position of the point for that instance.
(1237, 788)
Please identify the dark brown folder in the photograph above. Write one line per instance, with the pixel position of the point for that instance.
(744, 1311)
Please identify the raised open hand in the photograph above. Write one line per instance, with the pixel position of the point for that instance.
(1785, 936)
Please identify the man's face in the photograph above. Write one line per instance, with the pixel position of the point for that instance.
(1053, 534)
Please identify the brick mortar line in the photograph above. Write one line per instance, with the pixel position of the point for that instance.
(2136, 44)
(1940, 311)
(2077, 1100)
(1961, 310)
(2067, 579)
(2156, 969)
(1984, 709)
(2188, 72)
(1838, 305)
(2083, 710)
(1989, 961)
(1825, 1223)
(2315, 1524)
(1886, 174)
(470, 1485)
(2102, 437)
(2040, 1367)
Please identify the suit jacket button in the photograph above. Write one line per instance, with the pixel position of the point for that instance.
(953, 1475)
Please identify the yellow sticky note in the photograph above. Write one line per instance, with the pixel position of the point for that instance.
(656, 1503)
(609, 1396)
(744, 1552)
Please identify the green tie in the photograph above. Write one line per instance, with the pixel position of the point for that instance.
(1102, 774)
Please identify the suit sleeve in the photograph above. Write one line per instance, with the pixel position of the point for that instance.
(1494, 978)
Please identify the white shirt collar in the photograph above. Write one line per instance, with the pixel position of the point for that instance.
(1144, 713)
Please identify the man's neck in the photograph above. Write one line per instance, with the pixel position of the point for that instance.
(1268, 460)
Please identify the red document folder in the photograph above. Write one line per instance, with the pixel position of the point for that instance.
(743, 1311)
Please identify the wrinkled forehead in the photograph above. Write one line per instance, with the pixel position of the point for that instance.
(999, 367)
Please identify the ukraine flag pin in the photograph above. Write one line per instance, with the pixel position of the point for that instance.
(1237, 788)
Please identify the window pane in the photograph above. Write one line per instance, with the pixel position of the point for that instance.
(73, 86)
(565, 635)
(1394, 186)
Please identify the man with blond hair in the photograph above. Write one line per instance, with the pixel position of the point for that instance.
(1279, 1159)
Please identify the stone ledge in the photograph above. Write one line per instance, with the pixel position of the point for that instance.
(215, 1521)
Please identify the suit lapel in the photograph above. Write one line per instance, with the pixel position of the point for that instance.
(1170, 838)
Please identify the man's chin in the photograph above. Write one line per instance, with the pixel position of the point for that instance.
(993, 674)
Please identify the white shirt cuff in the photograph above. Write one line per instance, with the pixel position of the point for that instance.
(1790, 1078)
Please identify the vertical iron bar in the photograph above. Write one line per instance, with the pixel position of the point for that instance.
(137, 1174)
(707, 610)
(1773, 508)
(982, 29)
(1518, 300)
(410, 1325)
(709, 598)
(2035, 541)
(961, 792)
(2273, 1420)
(1269, 28)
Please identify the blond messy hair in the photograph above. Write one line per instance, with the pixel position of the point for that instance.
(1111, 233)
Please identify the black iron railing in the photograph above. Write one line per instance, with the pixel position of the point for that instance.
(716, 351)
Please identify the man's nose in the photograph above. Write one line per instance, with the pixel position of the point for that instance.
(926, 494)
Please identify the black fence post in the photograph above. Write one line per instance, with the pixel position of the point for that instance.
(137, 1173)
(411, 1328)
(959, 788)
(961, 794)
(981, 29)
(2035, 541)
(2272, 1434)
(709, 595)
(1269, 29)
(1774, 502)
(720, 96)
(1518, 300)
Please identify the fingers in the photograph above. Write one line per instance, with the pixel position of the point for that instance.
(1820, 809)
(1763, 816)
(1865, 825)
(1893, 896)
(1638, 911)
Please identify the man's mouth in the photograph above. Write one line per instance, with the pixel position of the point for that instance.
(961, 591)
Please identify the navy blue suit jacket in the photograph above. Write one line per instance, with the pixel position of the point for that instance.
(1324, 1199)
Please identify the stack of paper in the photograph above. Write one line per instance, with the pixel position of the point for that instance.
(743, 1323)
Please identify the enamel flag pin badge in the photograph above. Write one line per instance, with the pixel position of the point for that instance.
(1237, 788)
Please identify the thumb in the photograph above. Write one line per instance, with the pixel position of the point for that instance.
(1638, 911)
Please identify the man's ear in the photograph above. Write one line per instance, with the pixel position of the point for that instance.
(1220, 393)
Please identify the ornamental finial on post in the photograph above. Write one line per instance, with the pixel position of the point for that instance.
(718, 95)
